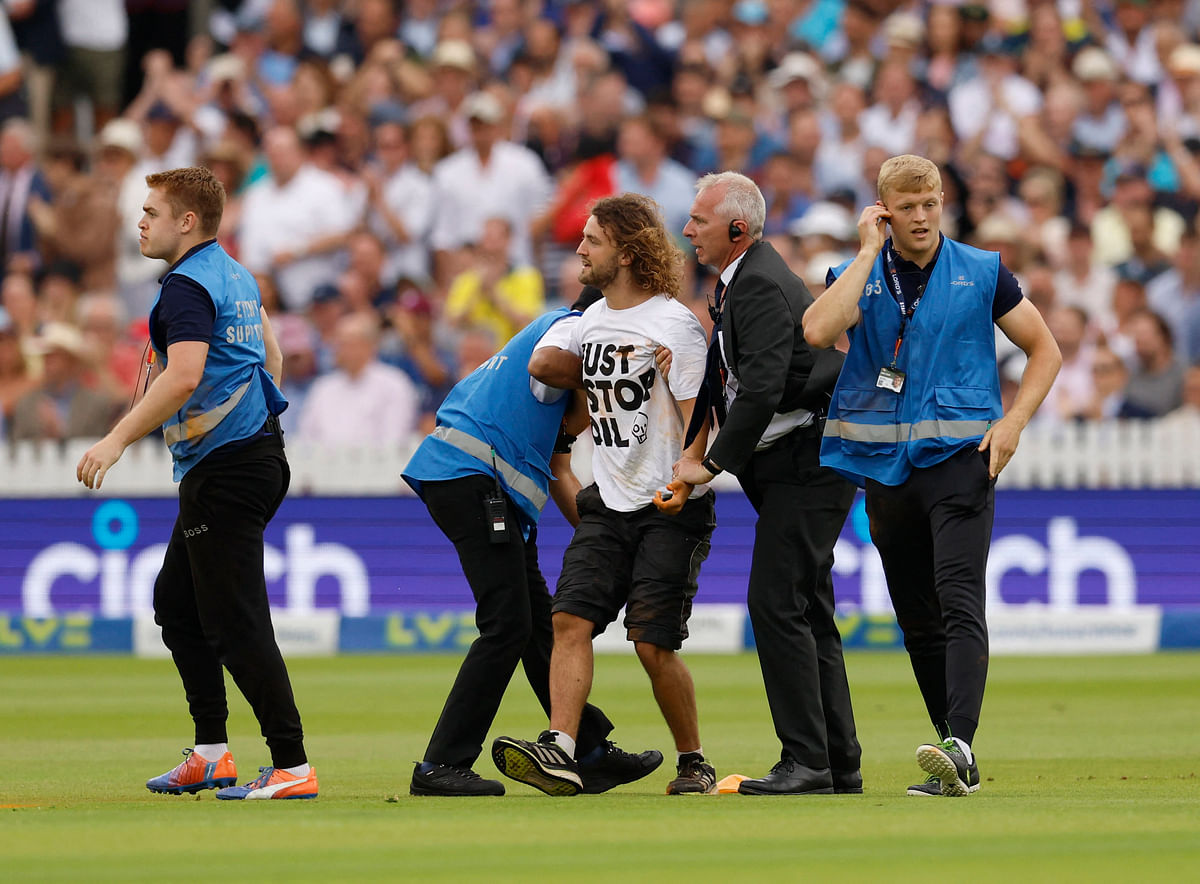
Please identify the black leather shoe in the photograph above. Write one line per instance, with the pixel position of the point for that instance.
(789, 778)
(847, 782)
(446, 779)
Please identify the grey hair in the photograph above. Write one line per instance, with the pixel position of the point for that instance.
(24, 131)
(743, 201)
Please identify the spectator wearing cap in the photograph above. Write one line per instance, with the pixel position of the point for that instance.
(1156, 382)
(362, 402)
(797, 84)
(414, 348)
(1178, 96)
(493, 178)
(400, 203)
(165, 106)
(20, 181)
(454, 69)
(61, 407)
(492, 292)
(95, 33)
(119, 167)
(293, 220)
(988, 110)
(1175, 296)
(1100, 123)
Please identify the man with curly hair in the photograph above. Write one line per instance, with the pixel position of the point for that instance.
(631, 548)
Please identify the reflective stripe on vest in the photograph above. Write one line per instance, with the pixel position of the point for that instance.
(200, 424)
(517, 481)
(932, 429)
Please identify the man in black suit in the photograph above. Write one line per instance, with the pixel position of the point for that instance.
(768, 389)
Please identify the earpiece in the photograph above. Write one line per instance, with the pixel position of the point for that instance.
(735, 232)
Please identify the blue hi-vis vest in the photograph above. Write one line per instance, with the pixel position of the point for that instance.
(236, 393)
(951, 391)
(493, 408)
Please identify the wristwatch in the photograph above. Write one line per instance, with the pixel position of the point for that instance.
(708, 464)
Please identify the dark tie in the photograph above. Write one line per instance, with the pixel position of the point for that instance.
(712, 392)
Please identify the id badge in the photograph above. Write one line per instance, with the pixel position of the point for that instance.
(890, 379)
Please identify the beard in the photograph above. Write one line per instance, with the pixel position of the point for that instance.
(599, 275)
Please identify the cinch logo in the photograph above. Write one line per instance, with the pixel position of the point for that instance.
(126, 580)
(1063, 559)
(962, 280)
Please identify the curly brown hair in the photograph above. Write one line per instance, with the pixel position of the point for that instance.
(635, 225)
(194, 189)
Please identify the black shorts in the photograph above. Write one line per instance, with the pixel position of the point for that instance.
(645, 561)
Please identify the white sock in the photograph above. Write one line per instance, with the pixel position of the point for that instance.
(211, 751)
(699, 750)
(965, 749)
(300, 770)
(567, 744)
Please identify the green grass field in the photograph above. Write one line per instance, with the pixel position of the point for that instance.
(1091, 772)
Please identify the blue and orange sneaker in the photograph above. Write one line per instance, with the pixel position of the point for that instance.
(273, 783)
(195, 774)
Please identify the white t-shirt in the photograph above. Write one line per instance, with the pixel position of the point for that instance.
(637, 426)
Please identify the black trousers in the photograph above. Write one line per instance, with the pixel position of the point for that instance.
(210, 597)
(933, 533)
(512, 613)
(801, 507)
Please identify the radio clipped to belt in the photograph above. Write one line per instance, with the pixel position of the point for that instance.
(495, 507)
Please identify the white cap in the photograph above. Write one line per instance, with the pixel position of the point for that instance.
(454, 54)
(1093, 63)
(483, 106)
(825, 219)
(795, 66)
(122, 133)
(59, 336)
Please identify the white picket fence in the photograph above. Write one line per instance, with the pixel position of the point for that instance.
(1114, 454)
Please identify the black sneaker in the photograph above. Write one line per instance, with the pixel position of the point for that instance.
(695, 777)
(946, 761)
(446, 779)
(931, 788)
(615, 767)
(544, 765)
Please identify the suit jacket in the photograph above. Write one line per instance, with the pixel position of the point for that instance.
(764, 347)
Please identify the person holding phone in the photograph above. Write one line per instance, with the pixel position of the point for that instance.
(917, 419)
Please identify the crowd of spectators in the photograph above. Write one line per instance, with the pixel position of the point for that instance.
(409, 180)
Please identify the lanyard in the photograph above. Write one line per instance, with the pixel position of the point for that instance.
(906, 312)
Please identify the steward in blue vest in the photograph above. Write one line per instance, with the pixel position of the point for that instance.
(946, 355)
(917, 419)
(216, 399)
(484, 473)
(235, 395)
(492, 424)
